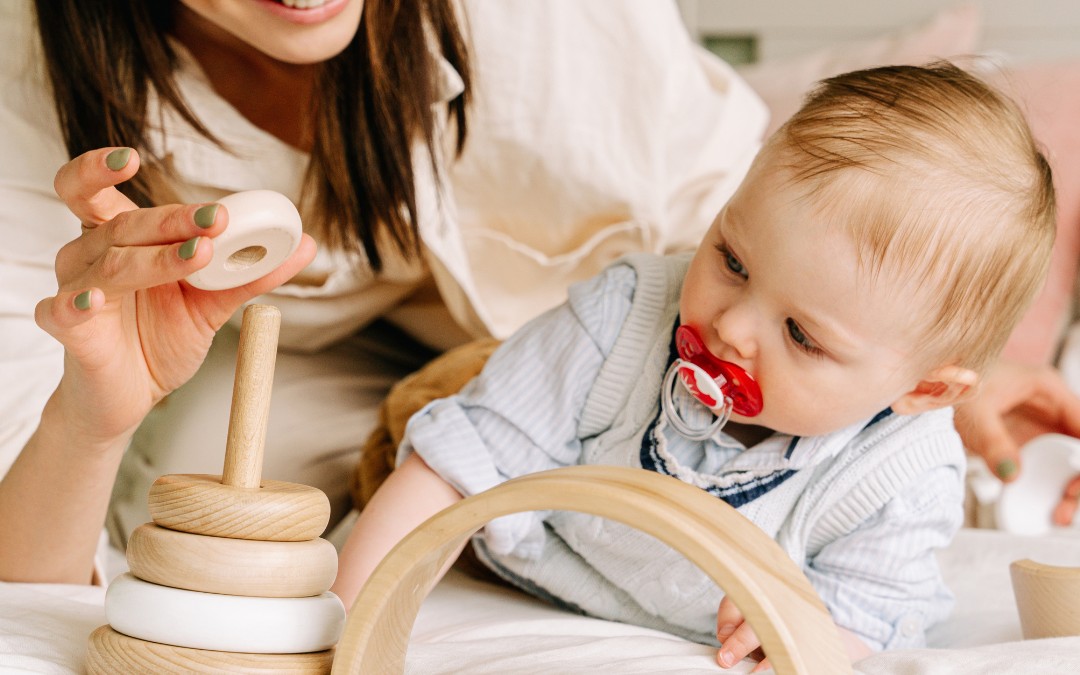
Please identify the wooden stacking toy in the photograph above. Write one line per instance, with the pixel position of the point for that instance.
(231, 575)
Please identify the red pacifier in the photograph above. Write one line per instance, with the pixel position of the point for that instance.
(721, 385)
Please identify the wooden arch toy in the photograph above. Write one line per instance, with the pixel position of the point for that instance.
(795, 629)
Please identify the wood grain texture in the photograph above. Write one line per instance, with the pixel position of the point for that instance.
(777, 600)
(1047, 599)
(202, 504)
(250, 411)
(271, 569)
(112, 653)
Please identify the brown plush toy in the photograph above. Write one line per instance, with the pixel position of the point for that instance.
(443, 376)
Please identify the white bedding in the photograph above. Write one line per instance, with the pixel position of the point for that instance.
(468, 626)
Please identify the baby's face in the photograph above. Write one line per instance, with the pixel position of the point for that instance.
(776, 291)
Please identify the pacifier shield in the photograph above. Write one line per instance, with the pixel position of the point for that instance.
(709, 378)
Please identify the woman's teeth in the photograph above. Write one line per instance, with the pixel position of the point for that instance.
(303, 4)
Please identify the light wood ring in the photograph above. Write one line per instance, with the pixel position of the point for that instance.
(777, 600)
(202, 504)
(1047, 599)
(196, 562)
(109, 653)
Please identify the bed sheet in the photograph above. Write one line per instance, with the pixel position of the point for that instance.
(468, 626)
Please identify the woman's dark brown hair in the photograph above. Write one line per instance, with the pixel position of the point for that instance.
(374, 103)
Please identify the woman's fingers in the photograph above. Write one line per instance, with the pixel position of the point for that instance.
(1016, 403)
(60, 313)
(145, 227)
(87, 184)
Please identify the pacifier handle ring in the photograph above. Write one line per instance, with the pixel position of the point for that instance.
(738, 385)
(671, 411)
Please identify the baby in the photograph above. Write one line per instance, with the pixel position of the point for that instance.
(800, 366)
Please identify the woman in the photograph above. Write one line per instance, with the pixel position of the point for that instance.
(593, 130)
(355, 111)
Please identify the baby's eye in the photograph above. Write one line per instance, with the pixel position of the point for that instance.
(731, 261)
(799, 338)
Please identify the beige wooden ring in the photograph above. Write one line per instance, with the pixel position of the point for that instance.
(229, 623)
(202, 504)
(109, 653)
(271, 569)
(1047, 599)
(777, 600)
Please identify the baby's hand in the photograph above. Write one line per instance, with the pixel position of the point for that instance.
(737, 638)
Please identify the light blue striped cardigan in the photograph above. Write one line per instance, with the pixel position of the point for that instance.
(608, 570)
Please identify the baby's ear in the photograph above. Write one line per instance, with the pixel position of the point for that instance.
(942, 387)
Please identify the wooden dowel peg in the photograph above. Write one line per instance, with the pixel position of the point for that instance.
(255, 361)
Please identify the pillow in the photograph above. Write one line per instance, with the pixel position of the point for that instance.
(782, 83)
(1049, 94)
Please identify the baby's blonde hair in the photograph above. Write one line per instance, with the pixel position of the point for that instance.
(939, 181)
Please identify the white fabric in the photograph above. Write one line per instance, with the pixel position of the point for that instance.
(469, 626)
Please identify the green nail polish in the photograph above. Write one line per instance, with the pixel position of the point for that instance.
(1006, 468)
(82, 301)
(118, 159)
(204, 216)
(187, 250)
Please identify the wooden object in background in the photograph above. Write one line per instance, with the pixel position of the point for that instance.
(1047, 599)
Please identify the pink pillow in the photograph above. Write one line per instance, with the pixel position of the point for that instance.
(782, 83)
(1049, 94)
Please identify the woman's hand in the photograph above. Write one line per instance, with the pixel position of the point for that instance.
(1016, 403)
(132, 329)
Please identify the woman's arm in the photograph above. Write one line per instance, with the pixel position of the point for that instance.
(132, 331)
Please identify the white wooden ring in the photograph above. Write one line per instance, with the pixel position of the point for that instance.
(264, 230)
(109, 653)
(202, 504)
(197, 562)
(230, 623)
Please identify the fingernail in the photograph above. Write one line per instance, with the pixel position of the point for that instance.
(726, 659)
(724, 631)
(82, 301)
(204, 216)
(118, 159)
(1006, 468)
(187, 250)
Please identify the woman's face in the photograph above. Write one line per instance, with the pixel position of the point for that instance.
(293, 31)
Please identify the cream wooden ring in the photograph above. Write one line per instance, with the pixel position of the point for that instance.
(202, 504)
(1047, 599)
(196, 562)
(109, 653)
(775, 597)
(264, 230)
(229, 623)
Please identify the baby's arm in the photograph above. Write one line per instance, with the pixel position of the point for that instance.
(411, 494)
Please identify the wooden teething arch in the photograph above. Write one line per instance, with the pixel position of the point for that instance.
(794, 627)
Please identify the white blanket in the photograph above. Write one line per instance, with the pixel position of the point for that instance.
(470, 626)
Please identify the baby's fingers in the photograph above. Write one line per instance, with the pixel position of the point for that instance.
(763, 665)
(728, 618)
(737, 645)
